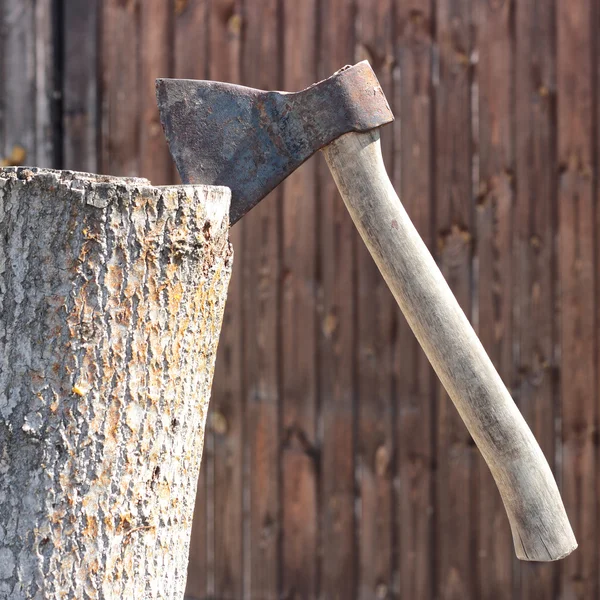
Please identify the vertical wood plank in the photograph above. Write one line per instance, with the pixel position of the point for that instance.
(190, 61)
(413, 152)
(198, 562)
(261, 247)
(494, 216)
(376, 310)
(47, 144)
(578, 392)
(120, 149)
(3, 75)
(80, 85)
(455, 497)
(27, 94)
(533, 243)
(337, 244)
(155, 60)
(227, 418)
(299, 457)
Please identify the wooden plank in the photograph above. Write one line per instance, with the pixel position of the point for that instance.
(414, 382)
(27, 83)
(3, 74)
(80, 86)
(376, 310)
(533, 244)
(47, 144)
(337, 337)
(578, 388)
(455, 497)
(493, 292)
(155, 60)
(190, 58)
(120, 126)
(261, 248)
(228, 401)
(299, 458)
(198, 564)
(227, 412)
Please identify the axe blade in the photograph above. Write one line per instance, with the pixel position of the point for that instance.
(250, 140)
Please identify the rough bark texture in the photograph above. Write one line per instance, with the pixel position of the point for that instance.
(111, 299)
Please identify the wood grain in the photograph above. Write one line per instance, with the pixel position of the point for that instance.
(576, 210)
(262, 251)
(494, 230)
(541, 530)
(27, 94)
(534, 255)
(156, 21)
(414, 383)
(456, 500)
(299, 455)
(80, 87)
(120, 93)
(190, 61)
(102, 48)
(376, 310)
(337, 340)
(227, 422)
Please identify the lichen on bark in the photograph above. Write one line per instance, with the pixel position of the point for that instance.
(111, 301)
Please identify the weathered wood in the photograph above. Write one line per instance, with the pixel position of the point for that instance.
(190, 52)
(111, 299)
(80, 86)
(120, 89)
(155, 18)
(456, 516)
(428, 158)
(376, 310)
(494, 234)
(299, 454)
(27, 90)
(577, 280)
(414, 382)
(261, 303)
(541, 530)
(533, 248)
(226, 417)
(337, 339)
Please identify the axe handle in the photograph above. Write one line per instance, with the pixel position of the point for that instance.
(539, 523)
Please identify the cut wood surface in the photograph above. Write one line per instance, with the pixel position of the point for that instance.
(111, 299)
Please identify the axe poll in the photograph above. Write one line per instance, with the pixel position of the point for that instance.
(250, 140)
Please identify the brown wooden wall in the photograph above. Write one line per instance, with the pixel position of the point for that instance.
(335, 466)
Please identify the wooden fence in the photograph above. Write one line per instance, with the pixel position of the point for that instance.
(335, 466)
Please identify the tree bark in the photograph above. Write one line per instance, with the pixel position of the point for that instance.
(111, 300)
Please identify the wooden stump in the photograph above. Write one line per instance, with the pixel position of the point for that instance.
(111, 300)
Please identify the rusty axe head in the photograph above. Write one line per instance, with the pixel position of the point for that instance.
(250, 140)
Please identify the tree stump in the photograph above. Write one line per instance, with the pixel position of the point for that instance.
(111, 301)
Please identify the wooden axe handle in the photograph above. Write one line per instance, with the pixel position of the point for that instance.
(539, 523)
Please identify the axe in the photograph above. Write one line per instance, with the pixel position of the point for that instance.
(250, 140)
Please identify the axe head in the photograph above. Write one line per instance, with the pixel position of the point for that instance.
(250, 140)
